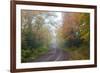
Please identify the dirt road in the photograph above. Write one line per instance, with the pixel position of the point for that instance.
(54, 54)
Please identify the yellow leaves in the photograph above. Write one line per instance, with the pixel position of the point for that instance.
(85, 36)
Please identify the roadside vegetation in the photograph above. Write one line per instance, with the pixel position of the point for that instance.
(74, 36)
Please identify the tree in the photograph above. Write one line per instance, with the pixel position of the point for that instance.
(72, 31)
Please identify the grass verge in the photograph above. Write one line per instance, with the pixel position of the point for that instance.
(81, 53)
(28, 55)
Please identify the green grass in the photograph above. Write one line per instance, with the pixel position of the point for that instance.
(81, 53)
(27, 54)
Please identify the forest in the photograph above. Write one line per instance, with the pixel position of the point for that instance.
(54, 36)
